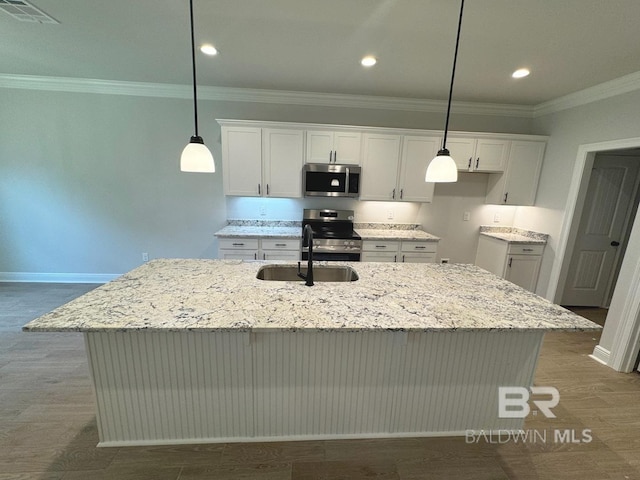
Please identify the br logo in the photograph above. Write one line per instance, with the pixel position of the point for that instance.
(513, 402)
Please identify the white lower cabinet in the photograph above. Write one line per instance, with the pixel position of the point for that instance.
(407, 251)
(517, 262)
(259, 249)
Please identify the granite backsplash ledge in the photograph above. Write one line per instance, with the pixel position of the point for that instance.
(540, 237)
(387, 226)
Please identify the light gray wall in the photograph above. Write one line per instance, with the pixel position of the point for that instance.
(90, 181)
(615, 118)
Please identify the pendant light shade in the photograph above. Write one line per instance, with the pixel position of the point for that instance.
(195, 157)
(443, 168)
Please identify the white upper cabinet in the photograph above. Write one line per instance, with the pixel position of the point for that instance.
(282, 162)
(394, 167)
(380, 165)
(262, 162)
(242, 160)
(479, 154)
(328, 146)
(519, 183)
(417, 153)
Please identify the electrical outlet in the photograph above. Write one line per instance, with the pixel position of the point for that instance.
(444, 260)
(263, 210)
(390, 215)
(145, 257)
(496, 218)
(466, 216)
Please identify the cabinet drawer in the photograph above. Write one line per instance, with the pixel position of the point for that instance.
(418, 258)
(379, 246)
(419, 247)
(379, 257)
(238, 243)
(525, 249)
(280, 244)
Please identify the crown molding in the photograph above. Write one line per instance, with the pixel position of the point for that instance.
(227, 94)
(618, 86)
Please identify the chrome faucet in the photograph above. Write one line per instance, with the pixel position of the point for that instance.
(307, 236)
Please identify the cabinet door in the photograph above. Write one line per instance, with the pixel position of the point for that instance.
(417, 152)
(491, 155)
(462, 151)
(380, 167)
(242, 161)
(523, 172)
(347, 147)
(319, 146)
(237, 254)
(290, 255)
(523, 270)
(419, 257)
(282, 165)
(379, 257)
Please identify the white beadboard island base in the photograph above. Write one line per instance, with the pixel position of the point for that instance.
(193, 351)
(185, 387)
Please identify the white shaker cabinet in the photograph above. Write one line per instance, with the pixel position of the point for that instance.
(245, 248)
(262, 162)
(326, 146)
(380, 164)
(399, 251)
(519, 183)
(517, 262)
(417, 153)
(479, 154)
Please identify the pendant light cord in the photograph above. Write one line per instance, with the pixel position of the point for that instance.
(453, 74)
(193, 63)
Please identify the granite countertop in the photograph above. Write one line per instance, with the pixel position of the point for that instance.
(390, 234)
(232, 231)
(224, 295)
(514, 235)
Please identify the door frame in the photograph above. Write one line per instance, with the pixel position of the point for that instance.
(625, 350)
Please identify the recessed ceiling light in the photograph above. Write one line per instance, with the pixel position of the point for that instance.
(521, 73)
(368, 61)
(208, 49)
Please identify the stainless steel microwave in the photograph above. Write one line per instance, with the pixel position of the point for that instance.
(330, 180)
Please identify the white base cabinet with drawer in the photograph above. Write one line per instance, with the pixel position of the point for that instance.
(517, 262)
(259, 249)
(407, 251)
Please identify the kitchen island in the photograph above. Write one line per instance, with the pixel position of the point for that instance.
(185, 351)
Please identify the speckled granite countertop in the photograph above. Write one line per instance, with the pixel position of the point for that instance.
(514, 235)
(224, 295)
(386, 234)
(233, 231)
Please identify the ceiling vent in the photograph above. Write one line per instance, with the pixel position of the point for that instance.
(25, 12)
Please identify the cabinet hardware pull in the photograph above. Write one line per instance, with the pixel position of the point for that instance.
(264, 256)
(335, 156)
(259, 193)
(527, 249)
(505, 197)
(402, 258)
(477, 162)
(255, 256)
(237, 244)
(393, 194)
(401, 192)
(330, 156)
(469, 167)
(267, 189)
(281, 244)
(395, 258)
(420, 246)
(381, 246)
(615, 243)
(510, 260)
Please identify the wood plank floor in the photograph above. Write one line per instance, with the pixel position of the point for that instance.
(48, 429)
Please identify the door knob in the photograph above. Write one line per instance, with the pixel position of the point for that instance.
(615, 244)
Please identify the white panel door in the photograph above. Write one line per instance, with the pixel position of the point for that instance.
(523, 172)
(491, 155)
(347, 147)
(609, 198)
(242, 161)
(462, 151)
(380, 167)
(319, 146)
(282, 162)
(523, 270)
(417, 153)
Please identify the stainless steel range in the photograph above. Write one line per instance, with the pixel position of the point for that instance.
(333, 235)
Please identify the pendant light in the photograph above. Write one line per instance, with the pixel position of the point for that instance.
(442, 168)
(195, 157)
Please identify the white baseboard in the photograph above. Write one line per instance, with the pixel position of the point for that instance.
(601, 354)
(57, 277)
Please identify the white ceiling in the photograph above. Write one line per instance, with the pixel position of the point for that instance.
(316, 45)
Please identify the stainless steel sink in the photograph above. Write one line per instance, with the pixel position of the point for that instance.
(321, 273)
